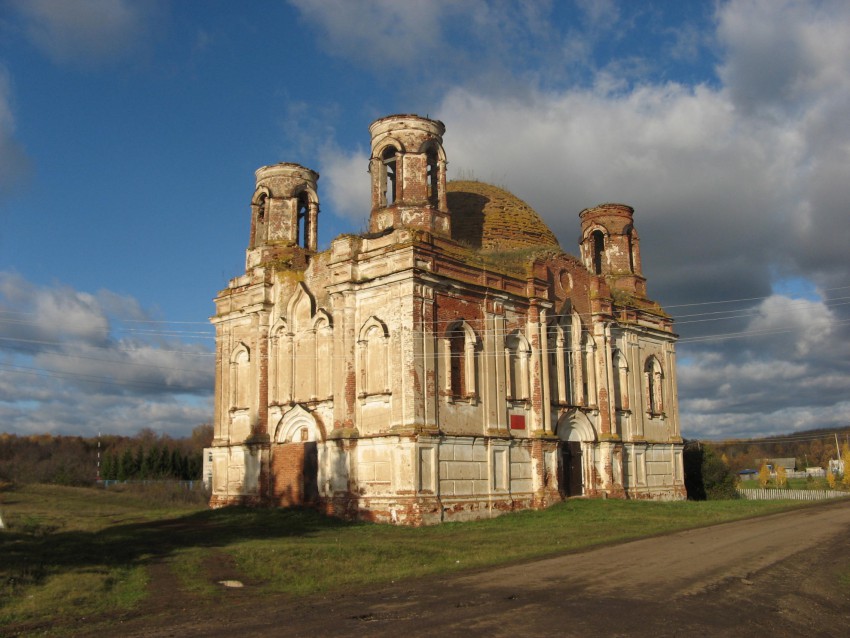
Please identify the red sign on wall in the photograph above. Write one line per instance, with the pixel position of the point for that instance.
(517, 422)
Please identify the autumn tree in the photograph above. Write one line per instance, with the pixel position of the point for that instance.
(845, 457)
(781, 477)
(764, 475)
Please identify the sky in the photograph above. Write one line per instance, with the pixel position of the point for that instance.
(130, 132)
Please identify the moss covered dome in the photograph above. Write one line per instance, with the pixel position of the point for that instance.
(492, 219)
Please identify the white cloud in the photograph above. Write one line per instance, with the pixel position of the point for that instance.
(64, 413)
(383, 33)
(86, 31)
(791, 365)
(346, 183)
(805, 325)
(603, 13)
(711, 190)
(784, 53)
(73, 361)
(720, 425)
(439, 41)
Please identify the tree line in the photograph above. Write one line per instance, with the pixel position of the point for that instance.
(813, 448)
(75, 460)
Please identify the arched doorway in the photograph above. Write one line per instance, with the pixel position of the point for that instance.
(574, 430)
(570, 479)
(295, 460)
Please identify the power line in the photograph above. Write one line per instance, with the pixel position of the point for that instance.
(108, 348)
(734, 314)
(438, 354)
(76, 376)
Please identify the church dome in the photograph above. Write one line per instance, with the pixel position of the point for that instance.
(492, 219)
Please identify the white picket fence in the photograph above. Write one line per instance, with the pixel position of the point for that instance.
(773, 494)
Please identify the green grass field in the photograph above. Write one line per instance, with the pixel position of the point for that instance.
(69, 553)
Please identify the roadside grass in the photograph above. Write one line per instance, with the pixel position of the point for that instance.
(363, 554)
(70, 553)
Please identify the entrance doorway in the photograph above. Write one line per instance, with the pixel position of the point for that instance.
(295, 470)
(570, 474)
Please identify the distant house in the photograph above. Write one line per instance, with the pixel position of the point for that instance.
(836, 466)
(790, 464)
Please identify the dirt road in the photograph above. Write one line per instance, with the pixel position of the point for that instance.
(781, 575)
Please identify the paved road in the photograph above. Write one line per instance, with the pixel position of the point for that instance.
(779, 575)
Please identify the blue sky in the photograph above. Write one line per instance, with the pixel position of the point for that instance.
(130, 131)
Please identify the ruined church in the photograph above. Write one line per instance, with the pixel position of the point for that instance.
(451, 363)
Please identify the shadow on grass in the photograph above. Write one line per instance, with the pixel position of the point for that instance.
(39, 555)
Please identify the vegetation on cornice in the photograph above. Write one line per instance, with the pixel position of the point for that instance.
(509, 262)
(628, 301)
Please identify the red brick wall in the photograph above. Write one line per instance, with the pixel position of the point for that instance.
(287, 474)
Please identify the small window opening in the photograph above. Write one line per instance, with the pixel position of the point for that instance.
(261, 208)
(629, 235)
(432, 178)
(457, 355)
(653, 381)
(598, 249)
(517, 368)
(302, 231)
(389, 160)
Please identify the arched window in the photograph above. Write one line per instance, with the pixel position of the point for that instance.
(575, 359)
(304, 371)
(432, 177)
(459, 353)
(388, 159)
(517, 353)
(281, 357)
(598, 239)
(259, 215)
(324, 357)
(621, 390)
(566, 360)
(240, 377)
(302, 221)
(374, 347)
(558, 368)
(653, 383)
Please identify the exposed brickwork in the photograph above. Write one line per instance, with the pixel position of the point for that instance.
(288, 474)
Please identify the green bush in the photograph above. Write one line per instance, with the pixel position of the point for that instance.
(707, 477)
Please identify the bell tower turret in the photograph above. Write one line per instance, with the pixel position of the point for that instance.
(408, 170)
(284, 213)
(610, 247)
